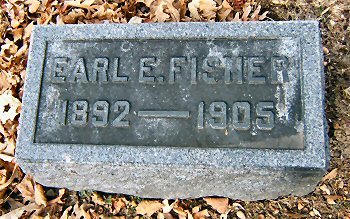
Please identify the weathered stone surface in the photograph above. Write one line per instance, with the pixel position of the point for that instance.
(176, 109)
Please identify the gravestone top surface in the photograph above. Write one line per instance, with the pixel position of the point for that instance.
(150, 105)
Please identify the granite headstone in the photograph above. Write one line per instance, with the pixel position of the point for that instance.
(176, 110)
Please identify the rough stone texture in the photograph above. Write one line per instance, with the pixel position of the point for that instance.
(170, 172)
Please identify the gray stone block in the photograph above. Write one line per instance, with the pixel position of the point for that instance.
(176, 110)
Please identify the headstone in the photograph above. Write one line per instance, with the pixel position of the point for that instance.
(176, 110)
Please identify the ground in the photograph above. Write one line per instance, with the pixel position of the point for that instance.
(22, 197)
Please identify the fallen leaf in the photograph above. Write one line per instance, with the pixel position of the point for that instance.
(225, 10)
(9, 181)
(81, 211)
(8, 107)
(65, 213)
(160, 15)
(58, 199)
(135, 20)
(196, 209)
(19, 211)
(219, 204)
(240, 215)
(148, 207)
(207, 8)
(300, 205)
(315, 212)
(189, 215)
(202, 214)
(330, 175)
(33, 5)
(26, 187)
(28, 30)
(166, 207)
(174, 13)
(331, 198)
(325, 189)
(97, 199)
(237, 206)
(39, 195)
(117, 205)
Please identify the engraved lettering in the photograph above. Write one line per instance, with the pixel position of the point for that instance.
(193, 70)
(241, 115)
(175, 68)
(254, 70)
(279, 73)
(100, 113)
(79, 72)
(146, 65)
(265, 120)
(123, 107)
(209, 65)
(200, 118)
(99, 71)
(62, 116)
(79, 116)
(233, 70)
(115, 74)
(59, 71)
(218, 113)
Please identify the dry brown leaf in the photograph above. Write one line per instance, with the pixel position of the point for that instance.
(225, 10)
(77, 3)
(9, 181)
(325, 189)
(8, 107)
(160, 15)
(202, 214)
(65, 213)
(246, 12)
(196, 209)
(15, 23)
(148, 207)
(33, 5)
(240, 215)
(219, 204)
(316, 212)
(59, 197)
(39, 195)
(332, 198)
(331, 175)
(19, 211)
(174, 13)
(166, 207)
(81, 211)
(193, 8)
(207, 8)
(117, 205)
(97, 199)
(180, 211)
(237, 206)
(189, 215)
(17, 34)
(300, 205)
(28, 30)
(135, 20)
(26, 187)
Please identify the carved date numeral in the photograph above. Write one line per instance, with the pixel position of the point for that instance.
(77, 113)
(241, 116)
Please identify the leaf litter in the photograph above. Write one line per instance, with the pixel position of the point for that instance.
(22, 197)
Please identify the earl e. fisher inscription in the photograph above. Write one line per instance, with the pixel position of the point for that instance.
(231, 99)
